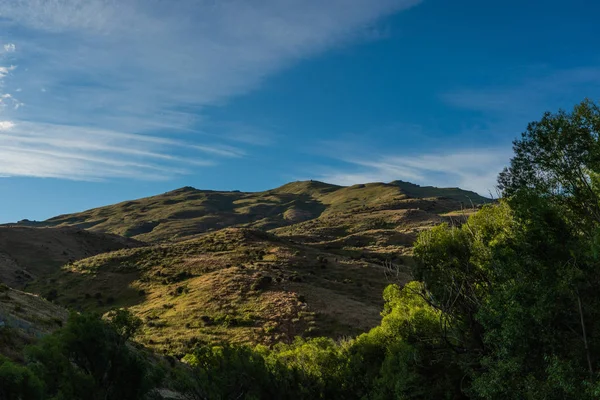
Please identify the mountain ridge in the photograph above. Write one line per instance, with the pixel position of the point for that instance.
(187, 211)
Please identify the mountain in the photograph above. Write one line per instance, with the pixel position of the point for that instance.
(186, 212)
(305, 259)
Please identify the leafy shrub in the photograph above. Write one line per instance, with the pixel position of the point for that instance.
(88, 358)
(18, 382)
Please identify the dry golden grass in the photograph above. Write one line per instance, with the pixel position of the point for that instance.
(236, 285)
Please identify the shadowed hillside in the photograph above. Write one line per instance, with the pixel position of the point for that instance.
(27, 253)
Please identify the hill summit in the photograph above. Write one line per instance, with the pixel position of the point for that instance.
(185, 212)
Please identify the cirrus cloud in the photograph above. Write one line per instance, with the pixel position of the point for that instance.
(150, 67)
(471, 169)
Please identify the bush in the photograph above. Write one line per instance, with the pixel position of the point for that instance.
(90, 358)
(262, 283)
(18, 382)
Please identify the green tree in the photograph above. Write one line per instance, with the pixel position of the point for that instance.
(417, 362)
(558, 158)
(89, 358)
(459, 267)
(230, 372)
(125, 324)
(18, 382)
(541, 316)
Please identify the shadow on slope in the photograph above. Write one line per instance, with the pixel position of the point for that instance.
(235, 285)
(27, 253)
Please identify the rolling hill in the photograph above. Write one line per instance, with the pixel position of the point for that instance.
(305, 259)
(186, 212)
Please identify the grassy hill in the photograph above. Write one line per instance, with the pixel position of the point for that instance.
(235, 285)
(304, 259)
(27, 253)
(186, 212)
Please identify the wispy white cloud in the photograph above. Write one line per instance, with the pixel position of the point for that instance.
(10, 48)
(223, 151)
(6, 125)
(497, 114)
(74, 152)
(152, 66)
(505, 110)
(7, 100)
(473, 169)
(4, 71)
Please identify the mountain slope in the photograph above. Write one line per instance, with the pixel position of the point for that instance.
(27, 253)
(23, 318)
(185, 212)
(235, 285)
(303, 259)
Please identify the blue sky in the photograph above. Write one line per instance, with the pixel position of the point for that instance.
(107, 100)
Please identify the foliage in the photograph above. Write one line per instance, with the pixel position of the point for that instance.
(558, 158)
(519, 279)
(125, 324)
(18, 382)
(414, 361)
(88, 358)
(547, 338)
(459, 267)
(231, 372)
